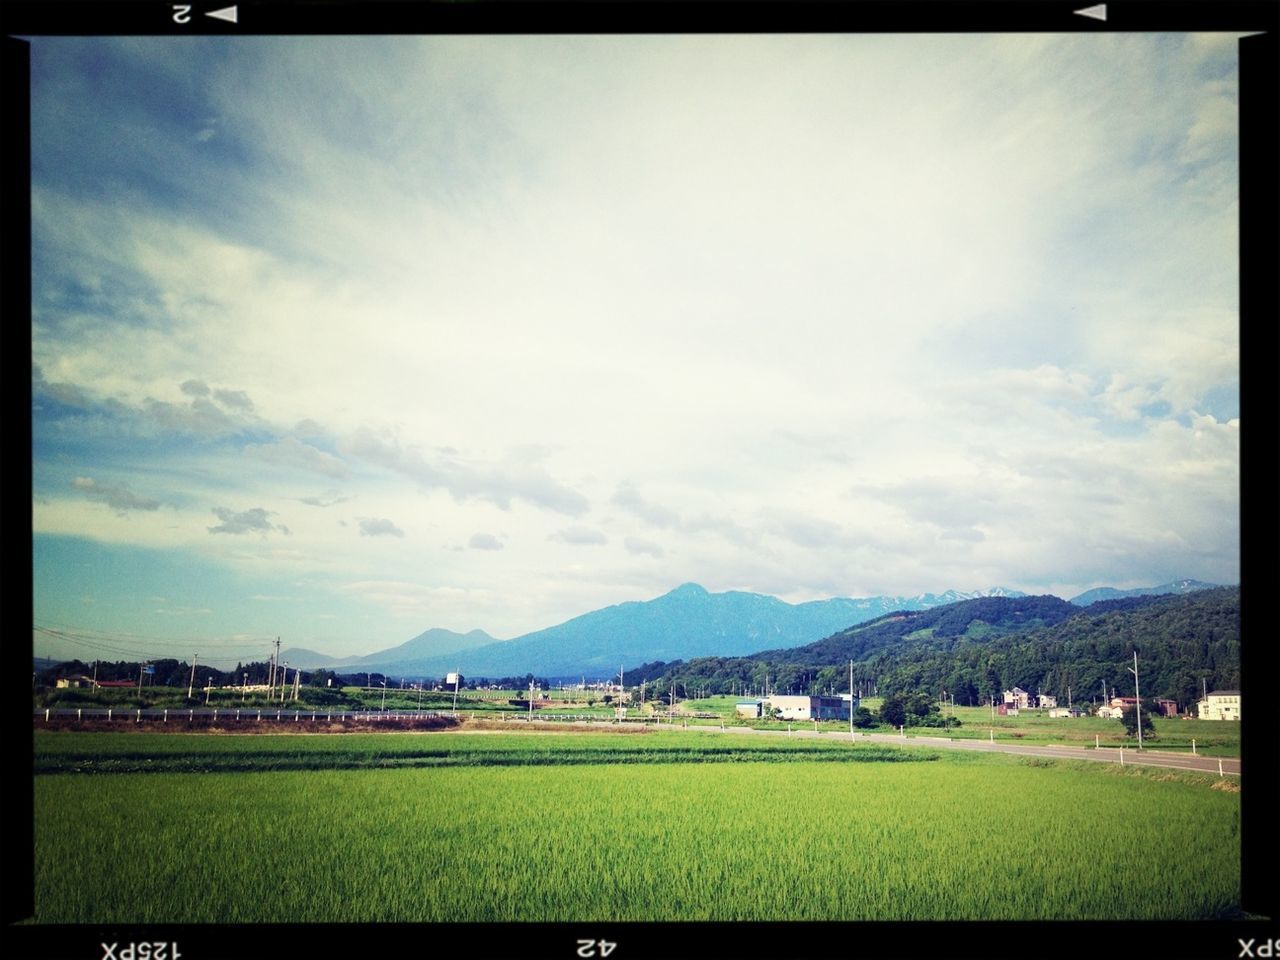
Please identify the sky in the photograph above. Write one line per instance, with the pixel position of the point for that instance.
(341, 339)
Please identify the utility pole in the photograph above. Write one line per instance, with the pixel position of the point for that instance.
(284, 676)
(244, 687)
(850, 699)
(192, 685)
(1137, 706)
(455, 692)
(142, 666)
(531, 701)
(208, 688)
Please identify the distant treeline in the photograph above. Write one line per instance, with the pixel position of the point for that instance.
(177, 673)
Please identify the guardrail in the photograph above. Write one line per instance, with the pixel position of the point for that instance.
(286, 715)
(221, 714)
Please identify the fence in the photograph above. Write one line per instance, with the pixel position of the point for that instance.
(268, 715)
(224, 715)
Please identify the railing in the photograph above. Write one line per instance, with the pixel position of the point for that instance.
(229, 715)
(286, 715)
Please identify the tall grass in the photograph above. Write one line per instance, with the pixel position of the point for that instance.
(975, 837)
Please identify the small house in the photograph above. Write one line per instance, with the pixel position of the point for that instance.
(1018, 698)
(1220, 705)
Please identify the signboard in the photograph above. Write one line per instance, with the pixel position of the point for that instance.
(451, 678)
(149, 668)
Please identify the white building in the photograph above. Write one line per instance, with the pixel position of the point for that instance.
(1017, 697)
(1220, 705)
(812, 708)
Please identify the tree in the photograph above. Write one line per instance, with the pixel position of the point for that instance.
(893, 712)
(863, 718)
(1130, 720)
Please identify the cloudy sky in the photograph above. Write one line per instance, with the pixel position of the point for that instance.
(340, 339)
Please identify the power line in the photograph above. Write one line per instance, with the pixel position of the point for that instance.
(135, 650)
(126, 640)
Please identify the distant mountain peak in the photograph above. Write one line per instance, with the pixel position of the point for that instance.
(1185, 585)
(690, 589)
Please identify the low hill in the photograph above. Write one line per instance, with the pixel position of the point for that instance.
(939, 629)
(1184, 644)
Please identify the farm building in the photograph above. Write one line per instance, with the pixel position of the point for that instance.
(811, 708)
(1064, 712)
(748, 708)
(81, 680)
(1220, 705)
(1168, 708)
(1111, 713)
(1046, 702)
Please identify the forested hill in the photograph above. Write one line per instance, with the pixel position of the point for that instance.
(979, 648)
(1184, 643)
(938, 629)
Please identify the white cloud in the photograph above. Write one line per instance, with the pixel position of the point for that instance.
(291, 452)
(641, 547)
(581, 536)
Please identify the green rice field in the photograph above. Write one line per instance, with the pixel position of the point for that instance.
(658, 825)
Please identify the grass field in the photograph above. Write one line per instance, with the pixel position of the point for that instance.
(645, 826)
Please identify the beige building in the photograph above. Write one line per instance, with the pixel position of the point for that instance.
(1220, 705)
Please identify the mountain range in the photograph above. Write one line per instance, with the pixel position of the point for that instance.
(685, 623)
